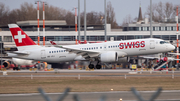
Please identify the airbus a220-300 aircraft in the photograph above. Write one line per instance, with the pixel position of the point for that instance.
(116, 51)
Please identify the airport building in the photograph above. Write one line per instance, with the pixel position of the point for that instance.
(63, 34)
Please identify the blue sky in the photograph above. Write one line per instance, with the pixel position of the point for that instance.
(122, 8)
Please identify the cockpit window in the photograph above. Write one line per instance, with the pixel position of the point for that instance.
(163, 42)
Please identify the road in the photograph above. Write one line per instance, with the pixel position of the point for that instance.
(94, 96)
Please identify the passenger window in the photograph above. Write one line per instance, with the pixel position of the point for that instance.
(96, 47)
(61, 50)
(100, 47)
(54, 51)
(57, 51)
(87, 48)
(49, 51)
(64, 50)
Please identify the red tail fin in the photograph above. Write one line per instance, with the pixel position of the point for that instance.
(19, 36)
(53, 43)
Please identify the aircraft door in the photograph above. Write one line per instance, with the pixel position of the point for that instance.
(43, 54)
(152, 44)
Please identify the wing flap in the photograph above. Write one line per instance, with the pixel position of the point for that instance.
(84, 53)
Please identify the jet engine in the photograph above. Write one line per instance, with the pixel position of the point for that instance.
(109, 57)
(6, 64)
(18, 61)
(123, 59)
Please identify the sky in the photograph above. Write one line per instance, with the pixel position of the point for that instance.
(122, 8)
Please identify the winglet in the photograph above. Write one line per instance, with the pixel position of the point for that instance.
(52, 42)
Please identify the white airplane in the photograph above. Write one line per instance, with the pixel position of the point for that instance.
(116, 51)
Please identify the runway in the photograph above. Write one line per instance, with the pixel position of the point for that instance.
(87, 71)
(95, 96)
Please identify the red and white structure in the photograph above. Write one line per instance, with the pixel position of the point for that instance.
(38, 22)
(43, 24)
(177, 35)
(76, 23)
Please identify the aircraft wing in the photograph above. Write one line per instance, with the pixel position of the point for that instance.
(19, 52)
(146, 57)
(174, 53)
(84, 53)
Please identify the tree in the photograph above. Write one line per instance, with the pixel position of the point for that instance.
(111, 15)
(3, 14)
(161, 11)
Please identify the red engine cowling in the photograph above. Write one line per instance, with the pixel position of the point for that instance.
(163, 59)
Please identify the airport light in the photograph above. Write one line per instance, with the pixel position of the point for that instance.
(37, 2)
(85, 39)
(105, 38)
(79, 26)
(151, 36)
(1, 51)
(44, 3)
(76, 23)
(177, 49)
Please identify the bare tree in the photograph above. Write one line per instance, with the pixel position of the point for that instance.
(160, 11)
(111, 15)
(128, 19)
(154, 13)
(3, 14)
(168, 10)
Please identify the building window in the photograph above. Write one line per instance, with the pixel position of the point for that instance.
(165, 28)
(147, 28)
(172, 37)
(34, 38)
(130, 37)
(0, 38)
(157, 36)
(138, 36)
(153, 28)
(159, 28)
(165, 37)
(146, 36)
(171, 28)
(7, 39)
(141, 28)
(50, 38)
(120, 38)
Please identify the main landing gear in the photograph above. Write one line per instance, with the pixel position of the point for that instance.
(98, 66)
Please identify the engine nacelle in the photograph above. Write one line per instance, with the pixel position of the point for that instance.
(123, 59)
(109, 57)
(22, 61)
(6, 64)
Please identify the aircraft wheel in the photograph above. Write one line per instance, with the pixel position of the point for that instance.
(98, 66)
(91, 66)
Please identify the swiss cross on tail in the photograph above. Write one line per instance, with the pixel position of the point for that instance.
(19, 36)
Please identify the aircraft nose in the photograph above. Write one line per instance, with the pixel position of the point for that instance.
(172, 47)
